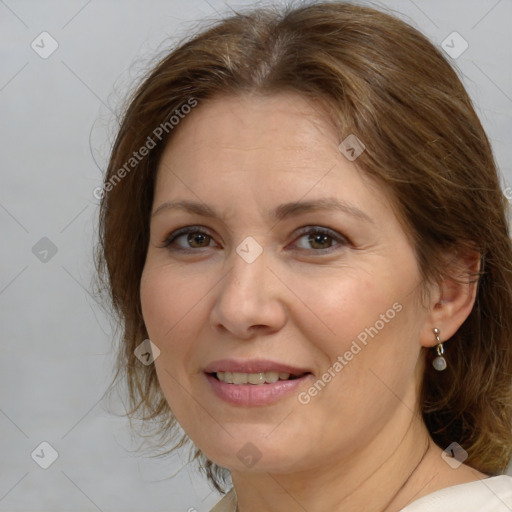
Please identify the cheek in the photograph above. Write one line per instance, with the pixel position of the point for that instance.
(167, 309)
(369, 319)
(167, 300)
(173, 308)
(340, 307)
(154, 300)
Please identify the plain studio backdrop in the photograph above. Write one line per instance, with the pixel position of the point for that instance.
(65, 67)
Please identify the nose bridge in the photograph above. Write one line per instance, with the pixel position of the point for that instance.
(247, 276)
(247, 296)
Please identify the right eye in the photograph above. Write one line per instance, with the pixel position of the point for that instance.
(193, 238)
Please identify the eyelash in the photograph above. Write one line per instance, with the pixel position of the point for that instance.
(307, 230)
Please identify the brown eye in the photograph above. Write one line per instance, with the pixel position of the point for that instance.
(187, 239)
(320, 239)
(198, 239)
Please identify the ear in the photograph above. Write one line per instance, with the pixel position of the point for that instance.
(452, 301)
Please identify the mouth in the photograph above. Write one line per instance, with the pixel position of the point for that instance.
(254, 382)
(256, 379)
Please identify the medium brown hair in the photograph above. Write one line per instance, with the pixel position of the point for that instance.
(385, 82)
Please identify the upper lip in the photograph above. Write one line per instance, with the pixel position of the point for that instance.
(253, 366)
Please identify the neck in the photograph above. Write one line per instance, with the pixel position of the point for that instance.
(379, 477)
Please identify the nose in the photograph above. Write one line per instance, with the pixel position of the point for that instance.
(249, 300)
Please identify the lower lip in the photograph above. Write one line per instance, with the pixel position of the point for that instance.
(251, 395)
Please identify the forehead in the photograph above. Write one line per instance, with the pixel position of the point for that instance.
(239, 132)
(259, 148)
(252, 124)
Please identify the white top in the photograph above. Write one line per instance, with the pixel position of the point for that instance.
(488, 495)
(492, 494)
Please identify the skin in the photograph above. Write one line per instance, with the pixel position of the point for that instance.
(358, 444)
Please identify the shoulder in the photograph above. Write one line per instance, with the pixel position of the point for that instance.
(488, 495)
(492, 494)
(227, 503)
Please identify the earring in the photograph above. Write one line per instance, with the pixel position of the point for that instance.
(439, 363)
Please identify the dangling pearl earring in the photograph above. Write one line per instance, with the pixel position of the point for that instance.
(439, 363)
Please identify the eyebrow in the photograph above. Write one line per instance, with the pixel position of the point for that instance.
(282, 212)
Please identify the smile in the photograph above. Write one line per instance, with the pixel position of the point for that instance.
(253, 378)
(260, 392)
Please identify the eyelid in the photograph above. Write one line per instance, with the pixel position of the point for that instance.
(304, 230)
(312, 228)
(171, 237)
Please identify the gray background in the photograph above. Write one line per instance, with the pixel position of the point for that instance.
(55, 130)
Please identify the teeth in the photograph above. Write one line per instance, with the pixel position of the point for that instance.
(239, 378)
(252, 378)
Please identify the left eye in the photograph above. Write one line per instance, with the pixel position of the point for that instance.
(320, 239)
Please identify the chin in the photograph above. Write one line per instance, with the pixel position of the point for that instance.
(255, 454)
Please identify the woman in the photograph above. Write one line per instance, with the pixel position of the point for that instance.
(303, 214)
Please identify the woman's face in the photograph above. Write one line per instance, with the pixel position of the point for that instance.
(262, 280)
